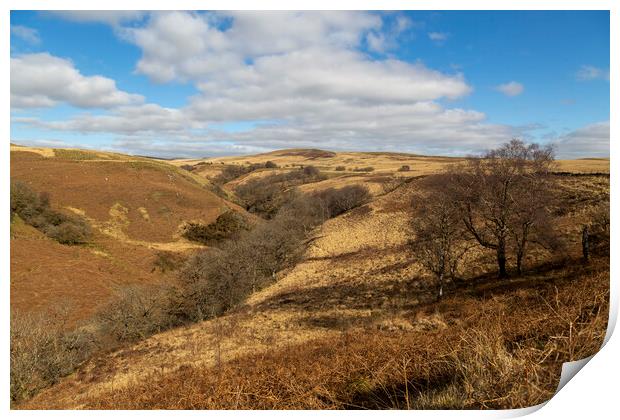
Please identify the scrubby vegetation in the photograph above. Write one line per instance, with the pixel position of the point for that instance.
(217, 280)
(227, 225)
(34, 209)
(265, 195)
(230, 172)
(168, 261)
(43, 351)
(337, 201)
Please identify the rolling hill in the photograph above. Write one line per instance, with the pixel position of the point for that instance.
(357, 288)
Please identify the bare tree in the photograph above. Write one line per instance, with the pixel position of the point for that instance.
(502, 197)
(438, 231)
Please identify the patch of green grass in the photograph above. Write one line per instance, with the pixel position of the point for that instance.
(71, 154)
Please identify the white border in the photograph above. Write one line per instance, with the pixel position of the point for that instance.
(592, 393)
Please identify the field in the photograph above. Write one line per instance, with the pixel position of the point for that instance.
(352, 324)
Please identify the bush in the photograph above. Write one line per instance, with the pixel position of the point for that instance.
(35, 210)
(138, 312)
(168, 261)
(341, 168)
(311, 171)
(365, 169)
(338, 201)
(404, 168)
(216, 280)
(71, 232)
(189, 167)
(225, 226)
(270, 165)
(42, 352)
(266, 195)
(229, 173)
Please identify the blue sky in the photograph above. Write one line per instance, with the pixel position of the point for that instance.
(204, 84)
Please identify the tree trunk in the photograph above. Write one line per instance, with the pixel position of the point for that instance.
(501, 259)
(519, 261)
(440, 292)
(585, 243)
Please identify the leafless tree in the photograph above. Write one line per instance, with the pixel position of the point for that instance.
(503, 197)
(438, 232)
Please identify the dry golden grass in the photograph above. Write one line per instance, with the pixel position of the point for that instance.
(357, 276)
(343, 328)
(495, 346)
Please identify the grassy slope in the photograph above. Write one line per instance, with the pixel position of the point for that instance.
(356, 277)
(136, 206)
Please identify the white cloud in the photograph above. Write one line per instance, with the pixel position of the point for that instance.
(110, 17)
(438, 36)
(43, 80)
(510, 88)
(300, 79)
(589, 141)
(148, 118)
(30, 35)
(592, 73)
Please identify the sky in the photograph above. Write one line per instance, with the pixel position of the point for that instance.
(197, 84)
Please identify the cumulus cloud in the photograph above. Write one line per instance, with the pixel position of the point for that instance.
(296, 79)
(510, 88)
(43, 80)
(592, 73)
(30, 35)
(589, 141)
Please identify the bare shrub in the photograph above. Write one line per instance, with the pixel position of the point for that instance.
(230, 172)
(217, 280)
(168, 261)
(599, 228)
(71, 232)
(35, 210)
(364, 169)
(227, 225)
(341, 168)
(439, 234)
(137, 312)
(266, 195)
(338, 201)
(42, 351)
(404, 168)
(311, 171)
